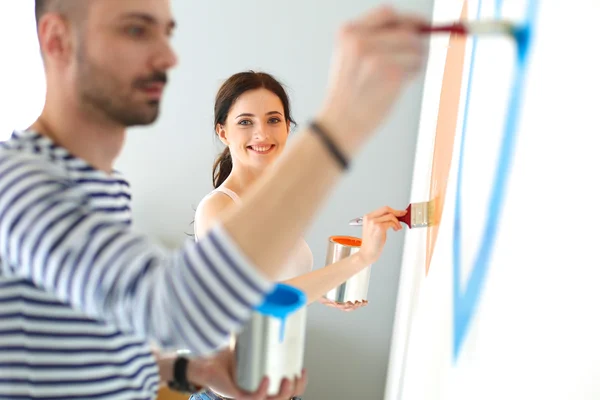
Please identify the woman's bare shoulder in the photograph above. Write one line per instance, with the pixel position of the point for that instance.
(209, 210)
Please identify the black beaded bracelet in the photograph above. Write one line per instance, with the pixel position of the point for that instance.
(331, 146)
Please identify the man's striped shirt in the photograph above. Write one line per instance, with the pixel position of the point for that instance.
(82, 295)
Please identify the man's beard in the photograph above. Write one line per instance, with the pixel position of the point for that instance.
(100, 91)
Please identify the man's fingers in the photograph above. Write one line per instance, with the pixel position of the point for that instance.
(260, 394)
(301, 384)
(378, 17)
(286, 390)
(395, 40)
(380, 211)
(385, 16)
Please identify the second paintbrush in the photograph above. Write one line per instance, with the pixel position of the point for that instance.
(418, 215)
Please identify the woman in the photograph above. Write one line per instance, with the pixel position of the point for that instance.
(253, 119)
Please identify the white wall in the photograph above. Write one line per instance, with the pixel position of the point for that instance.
(347, 353)
(22, 81)
(535, 331)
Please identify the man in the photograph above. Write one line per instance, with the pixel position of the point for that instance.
(81, 295)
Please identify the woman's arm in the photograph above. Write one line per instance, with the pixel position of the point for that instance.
(316, 283)
(374, 235)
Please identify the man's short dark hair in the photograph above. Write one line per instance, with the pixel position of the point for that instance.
(68, 8)
(41, 7)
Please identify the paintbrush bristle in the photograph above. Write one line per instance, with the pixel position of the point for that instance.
(420, 215)
(491, 27)
(435, 211)
(423, 214)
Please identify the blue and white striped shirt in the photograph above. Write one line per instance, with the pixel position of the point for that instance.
(82, 295)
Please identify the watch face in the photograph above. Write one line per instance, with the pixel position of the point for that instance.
(183, 388)
(209, 394)
(218, 395)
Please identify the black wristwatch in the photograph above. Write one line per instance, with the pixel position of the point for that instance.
(180, 382)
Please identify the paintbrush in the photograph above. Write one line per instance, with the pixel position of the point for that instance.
(482, 27)
(418, 215)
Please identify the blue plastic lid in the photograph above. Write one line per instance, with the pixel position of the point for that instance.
(282, 301)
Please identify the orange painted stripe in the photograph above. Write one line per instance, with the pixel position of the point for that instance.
(445, 131)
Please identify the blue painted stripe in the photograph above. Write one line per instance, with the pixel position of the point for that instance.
(456, 244)
(465, 303)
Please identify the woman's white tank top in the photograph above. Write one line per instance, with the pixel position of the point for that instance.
(300, 260)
